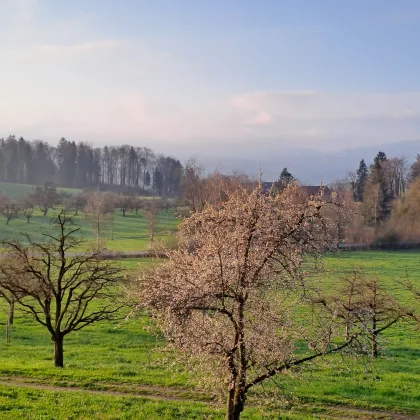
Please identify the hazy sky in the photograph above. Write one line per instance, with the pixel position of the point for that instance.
(212, 77)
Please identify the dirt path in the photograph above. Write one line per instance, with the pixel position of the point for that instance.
(348, 412)
(339, 412)
(124, 390)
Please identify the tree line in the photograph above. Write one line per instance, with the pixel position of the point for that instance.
(79, 165)
(383, 197)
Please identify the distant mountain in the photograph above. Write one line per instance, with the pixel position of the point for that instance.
(309, 166)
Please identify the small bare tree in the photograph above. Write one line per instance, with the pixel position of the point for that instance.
(9, 208)
(46, 197)
(125, 202)
(27, 205)
(365, 306)
(63, 293)
(408, 285)
(151, 211)
(98, 209)
(227, 297)
(10, 299)
(78, 202)
(379, 310)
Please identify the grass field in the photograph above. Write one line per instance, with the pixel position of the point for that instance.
(19, 190)
(120, 233)
(117, 371)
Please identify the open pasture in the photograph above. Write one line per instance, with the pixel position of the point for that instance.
(118, 232)
(118, 369)
(17, 191)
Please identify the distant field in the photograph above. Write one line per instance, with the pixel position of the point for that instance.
(129, 233)
(140, 383)
(19, 190)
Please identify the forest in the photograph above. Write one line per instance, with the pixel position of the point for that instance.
(80, 165)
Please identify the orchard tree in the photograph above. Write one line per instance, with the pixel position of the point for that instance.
(366, 308)
(99, 209)
(9, 208)
(78, 202)
(151, 211)
(63, 291)
(46, 197)
(225, 296)
(27, 205)
(125, 202)
(11, 301)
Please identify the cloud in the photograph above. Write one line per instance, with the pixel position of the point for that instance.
(329, 120)
(60, 51)
(261, 118)
(64, 78)
(251, 123)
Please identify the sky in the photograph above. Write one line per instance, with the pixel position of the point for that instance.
(220, 78)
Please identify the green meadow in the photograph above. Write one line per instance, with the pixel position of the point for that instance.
(118, 232)
(118, 370)
(17, 191)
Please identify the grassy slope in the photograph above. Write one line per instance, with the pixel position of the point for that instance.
(111, 355)
(19, 190)
(129, 233)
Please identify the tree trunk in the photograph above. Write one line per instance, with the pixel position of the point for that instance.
(374, 352)
(97, 236)
(45, 211)
(59, 351)
(10, 321)
(229, 405)
(234, 410)
(11, 313)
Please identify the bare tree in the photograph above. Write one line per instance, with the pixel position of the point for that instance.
(229, 302)
(199, 191)
(10, 209)
(78, 202)
(46, 197)
(192, 188)
(27, 205)
(414, 290)
(365, 306)
(371, 205)
(415, 169)
(396, 171)
(151, 211)
(63, 293)
(98, 209)
(378, 311)
(407, 212)
(126, 202)
(10, 299)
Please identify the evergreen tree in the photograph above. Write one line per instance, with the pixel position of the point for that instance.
(285, 179)
(361, 179)
(377, 177)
